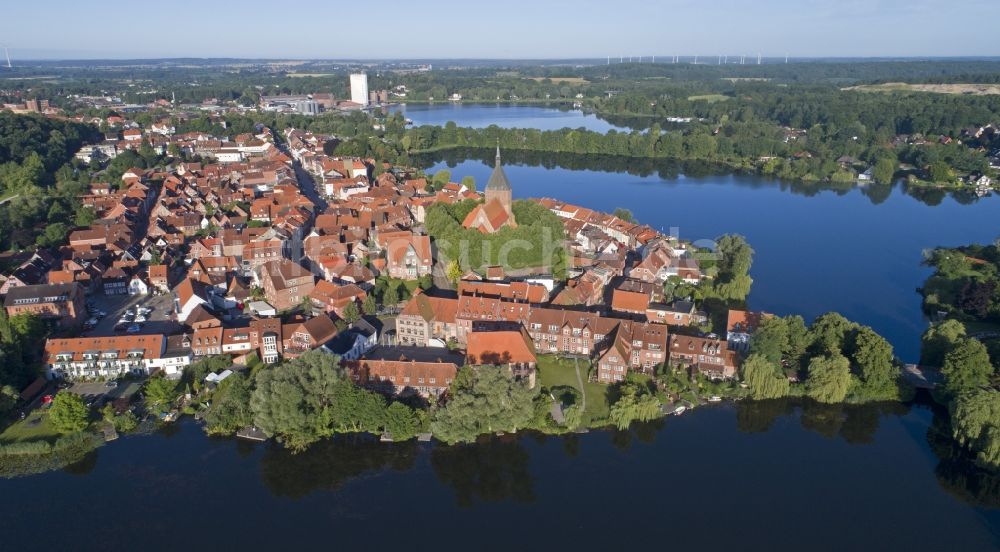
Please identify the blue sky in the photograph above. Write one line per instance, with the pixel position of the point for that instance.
(498, 28)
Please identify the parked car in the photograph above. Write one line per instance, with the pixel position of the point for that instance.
(112, 383)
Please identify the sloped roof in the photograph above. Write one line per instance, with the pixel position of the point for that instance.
(501, 347)
(498, 180)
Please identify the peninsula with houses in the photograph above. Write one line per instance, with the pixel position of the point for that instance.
(272, 287)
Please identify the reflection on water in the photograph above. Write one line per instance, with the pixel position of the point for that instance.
(492, 470)
(329, 464)
(856, 424)
(956, 470)
(671, 169)
(497, 469)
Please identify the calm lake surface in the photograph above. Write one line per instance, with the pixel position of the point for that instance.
(504, 116)
(854, 251)
(724, 477)
(778, 475)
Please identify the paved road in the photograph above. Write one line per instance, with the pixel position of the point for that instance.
(308, 187)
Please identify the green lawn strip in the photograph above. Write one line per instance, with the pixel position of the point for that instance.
(33, 428)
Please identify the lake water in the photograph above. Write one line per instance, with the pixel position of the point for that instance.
(723, 477)
(854, 251)
(777, 474)
(504, 116)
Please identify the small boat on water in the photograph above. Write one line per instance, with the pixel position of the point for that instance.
(714, 398)
(679, 410)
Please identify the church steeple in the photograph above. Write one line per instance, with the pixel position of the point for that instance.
(498, 180)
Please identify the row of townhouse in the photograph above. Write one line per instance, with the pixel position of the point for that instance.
(112, 357)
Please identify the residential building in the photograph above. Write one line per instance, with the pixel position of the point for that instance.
(710, 356)
(740, 326)
(110, 357)
(285, 283)
(409, 258)
(427, 321)
(402, 377)
(63, 303)
(509, 348)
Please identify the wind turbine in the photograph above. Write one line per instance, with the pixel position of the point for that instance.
(7, 55)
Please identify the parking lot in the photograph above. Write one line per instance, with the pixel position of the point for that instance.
(97, 393)
(160, 320)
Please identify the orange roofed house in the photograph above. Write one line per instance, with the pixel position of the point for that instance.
(496, 212)
(427, 321)
(409, 258)
(511, 348)
(740, 326)
(404, 376)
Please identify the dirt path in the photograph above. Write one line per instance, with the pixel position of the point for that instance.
(579, 381)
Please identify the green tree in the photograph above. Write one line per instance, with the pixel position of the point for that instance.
(884, 170)
(160, 394)
(829, 378)
(369, 306)
(8, 397)
(623, 214)
(125, 422)
(68, 413)
(975, 422)
(454, 272)
(873, 357)
(350, 313)
(829, 333)
(53, 235)
(940, 171)
(636, 404)
(734, 259)
(391, 296)
(770, 339)
(764, 377)
(441, 178)
(230, 408)
(483, 400)
(401, 422)
(573, 416)
(966, 366)
(938, 340)
(469, 182)
(294, 402)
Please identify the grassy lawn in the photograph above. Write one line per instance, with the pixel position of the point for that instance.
(554, 371)
(33, 428)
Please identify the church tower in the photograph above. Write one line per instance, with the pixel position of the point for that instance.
(495, 212)
(498, 188)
